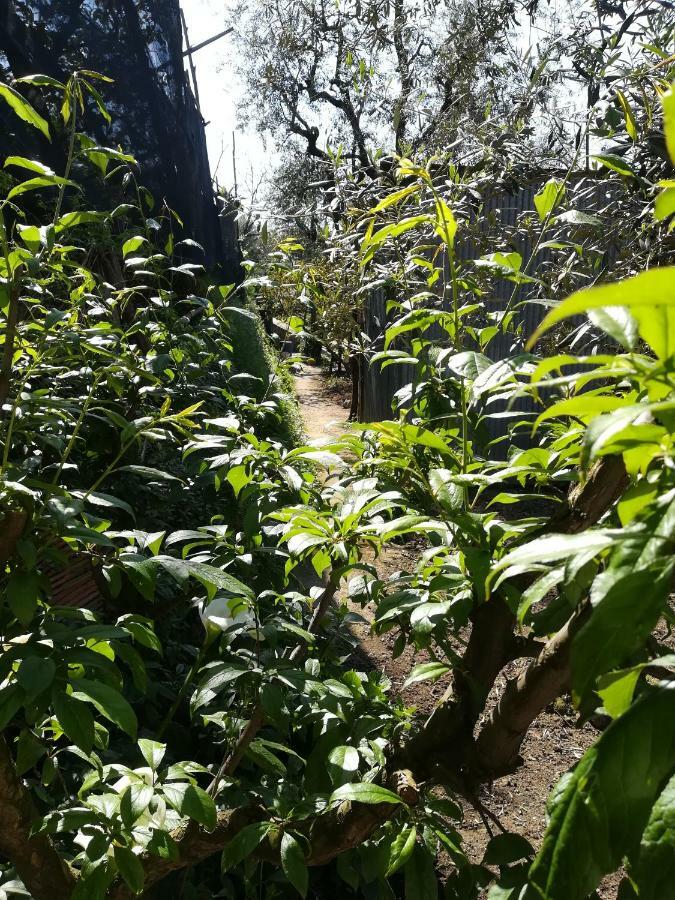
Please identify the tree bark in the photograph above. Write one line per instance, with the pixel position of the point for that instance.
(11, 529)
(497, 747)
(444, 748)
(403, 66)
(341, 828)
(35, 859)
(589, 500)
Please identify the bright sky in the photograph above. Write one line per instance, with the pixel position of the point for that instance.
(219, 90)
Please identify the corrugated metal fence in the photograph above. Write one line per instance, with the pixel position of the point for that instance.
(498, 211)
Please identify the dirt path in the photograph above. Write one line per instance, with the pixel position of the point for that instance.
(323, 414)
(554, 742)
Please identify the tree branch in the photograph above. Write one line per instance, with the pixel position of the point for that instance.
(589, 500)
(35, 859)
(403, 65)
(338, 829)
(497, 747)
(445, 743)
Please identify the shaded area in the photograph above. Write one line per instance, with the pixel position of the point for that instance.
(139, 44)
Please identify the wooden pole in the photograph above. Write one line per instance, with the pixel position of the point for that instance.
(234, 162)
(188, 53)
(216, 37)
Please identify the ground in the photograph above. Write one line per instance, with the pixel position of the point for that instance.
(554, 743)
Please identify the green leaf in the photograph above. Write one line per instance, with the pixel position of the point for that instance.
(35, 675)
(22, 595)
(604, 428)
(29, 750)
(618, 323)
(148, 472)
(601, 809)
(23, 109)
(549, 197)
(582, 407)
(619, 623)
(394, 230)
(395, 197)
(650, 296)
(133, 244)
(163, 845)
(153, 752)
(11, 701)
(629, 116)
(41, 81)
(143, 575)
(445, 490)
(243, 844)
(141, 629)
(577, 217)
(192, 801)
(293, 863)
(342, 763)
(130, 868)
(446, 224)
(506, 848)
(363, 792)
(635, 499)
(94, 884)
(134, 802)
(34, 184)
(417, 320)
(614, 162)
(420, 877)
(551, 549)
(79, 217)
(664, 205)
(468, 364)
(616, 690)
(654, 868)
(32, 165)
(109, 702)
(425, 672)
(213, 577)
(401, 848)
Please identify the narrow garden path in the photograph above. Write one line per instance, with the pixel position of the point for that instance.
(554, 741)
(323, 415)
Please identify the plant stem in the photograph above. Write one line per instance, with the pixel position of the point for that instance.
(547, 219)
(71, 148)
(194, 668)
(78, 425)
(12, 419)
(465, 438)
(12, 316)
(257, 720)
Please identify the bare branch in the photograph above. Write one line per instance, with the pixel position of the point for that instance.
(497, 748)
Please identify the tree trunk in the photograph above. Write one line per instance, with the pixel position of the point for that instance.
(35, 859)
(546, 678)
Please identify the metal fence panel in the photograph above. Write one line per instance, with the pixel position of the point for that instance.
(499, 209)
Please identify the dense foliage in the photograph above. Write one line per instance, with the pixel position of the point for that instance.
(212, 708)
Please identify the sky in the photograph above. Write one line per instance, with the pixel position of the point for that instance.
(219, 89)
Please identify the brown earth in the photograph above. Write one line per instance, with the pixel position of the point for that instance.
(554, 742)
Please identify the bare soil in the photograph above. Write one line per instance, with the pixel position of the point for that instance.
(554, 742)
(323, 411)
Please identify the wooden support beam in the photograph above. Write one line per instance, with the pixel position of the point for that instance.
(211, 40)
